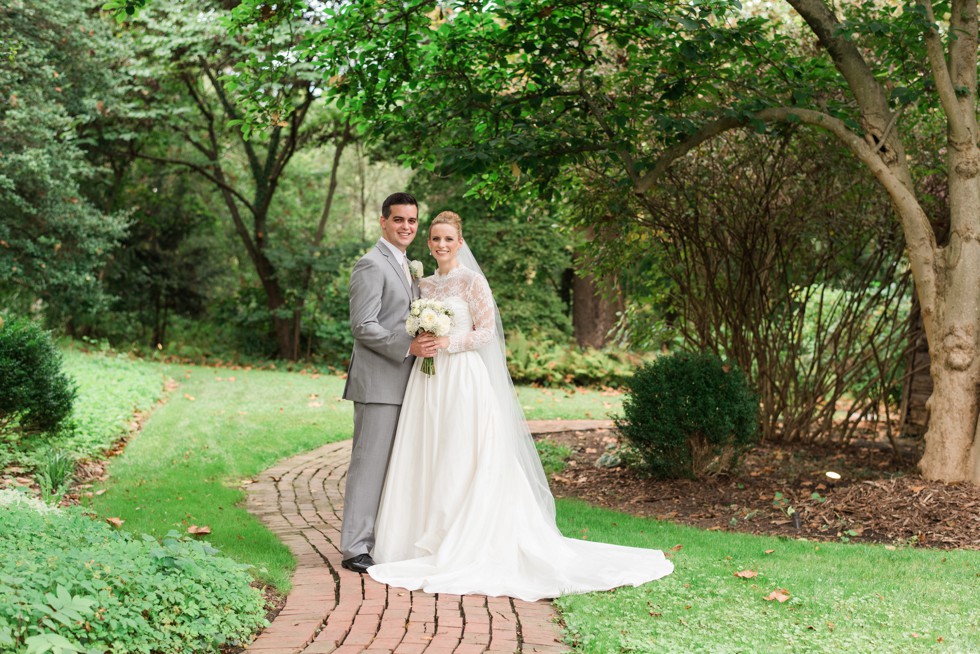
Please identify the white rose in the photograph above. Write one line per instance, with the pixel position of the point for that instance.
(428, 319)
(444, 324)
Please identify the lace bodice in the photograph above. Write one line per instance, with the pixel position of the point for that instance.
(468, 295)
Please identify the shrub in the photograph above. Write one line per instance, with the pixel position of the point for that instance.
(689, 414)
(35, 395)
(74, 584)
(533, 360)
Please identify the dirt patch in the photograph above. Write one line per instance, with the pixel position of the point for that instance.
(785, 491)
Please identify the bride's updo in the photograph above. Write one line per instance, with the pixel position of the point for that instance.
(448, 218)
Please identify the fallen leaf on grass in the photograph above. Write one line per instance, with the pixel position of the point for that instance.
(780, 595)
(746, 574)
(676, 548)
(197, 531)
(189, 398)
(115, 522)
(769, 551)
(100, 491)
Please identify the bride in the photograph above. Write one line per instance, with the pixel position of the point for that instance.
(466, 507)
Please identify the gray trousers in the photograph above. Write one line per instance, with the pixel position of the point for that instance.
(374, 433)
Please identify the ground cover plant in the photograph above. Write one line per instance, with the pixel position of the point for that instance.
(72, 583)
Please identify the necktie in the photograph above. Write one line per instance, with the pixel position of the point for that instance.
(408, 273)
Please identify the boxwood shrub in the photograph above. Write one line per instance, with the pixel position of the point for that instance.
(36, 396)
(686, 415)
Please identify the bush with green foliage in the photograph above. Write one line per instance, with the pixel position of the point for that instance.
(74, 584)
(548, 363)
(689, 414)
(35, 395)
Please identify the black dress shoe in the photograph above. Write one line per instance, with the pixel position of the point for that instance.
(359, 563)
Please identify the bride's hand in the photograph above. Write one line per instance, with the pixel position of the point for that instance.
(442, 342)
(423, 345)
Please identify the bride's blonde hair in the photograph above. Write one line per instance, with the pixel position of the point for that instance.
(448, 218)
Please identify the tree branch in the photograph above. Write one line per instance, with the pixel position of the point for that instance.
(958, 131)
(919, 236)
(597, 112)
(201, 170)
(870, 95)
(963, 43)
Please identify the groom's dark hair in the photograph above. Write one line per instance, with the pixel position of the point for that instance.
(397, 198)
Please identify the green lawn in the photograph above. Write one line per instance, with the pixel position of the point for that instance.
(111, 388)
(221, 426)
(843, 597)
(573, 404)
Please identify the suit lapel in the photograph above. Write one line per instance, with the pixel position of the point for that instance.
(397, 268)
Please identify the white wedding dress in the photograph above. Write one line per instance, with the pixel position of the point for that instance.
(465, 507)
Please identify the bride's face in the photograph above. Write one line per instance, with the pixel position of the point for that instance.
(444, 243)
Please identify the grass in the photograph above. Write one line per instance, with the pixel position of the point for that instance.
(843, 597)
(110, 389)
(570, 404)
(222, 427)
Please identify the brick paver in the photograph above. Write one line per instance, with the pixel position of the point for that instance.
(331, 610)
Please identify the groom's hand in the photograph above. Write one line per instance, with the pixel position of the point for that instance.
(424, 345)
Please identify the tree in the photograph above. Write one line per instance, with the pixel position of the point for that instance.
(183, 54)
(54, 238)
(528, 89)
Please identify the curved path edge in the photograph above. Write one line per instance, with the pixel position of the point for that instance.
(331, 609)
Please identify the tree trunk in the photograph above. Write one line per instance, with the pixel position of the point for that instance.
(282, 325)
(951, 439)
(596, 304)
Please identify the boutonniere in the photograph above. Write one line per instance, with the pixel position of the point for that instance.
(415, 267)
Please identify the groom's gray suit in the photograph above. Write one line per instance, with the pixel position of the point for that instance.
(380, 297)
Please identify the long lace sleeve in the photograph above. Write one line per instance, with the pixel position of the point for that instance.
(480, 300)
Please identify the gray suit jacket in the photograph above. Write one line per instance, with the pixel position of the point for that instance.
(380, 298)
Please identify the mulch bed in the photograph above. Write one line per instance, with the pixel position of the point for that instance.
(783, 490)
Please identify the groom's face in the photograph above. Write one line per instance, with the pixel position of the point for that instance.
(400, 226)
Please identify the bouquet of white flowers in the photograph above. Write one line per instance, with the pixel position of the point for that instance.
(429, 316)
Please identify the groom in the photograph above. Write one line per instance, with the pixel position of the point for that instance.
(381, 292)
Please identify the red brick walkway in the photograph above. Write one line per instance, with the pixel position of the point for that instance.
(331, 609)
